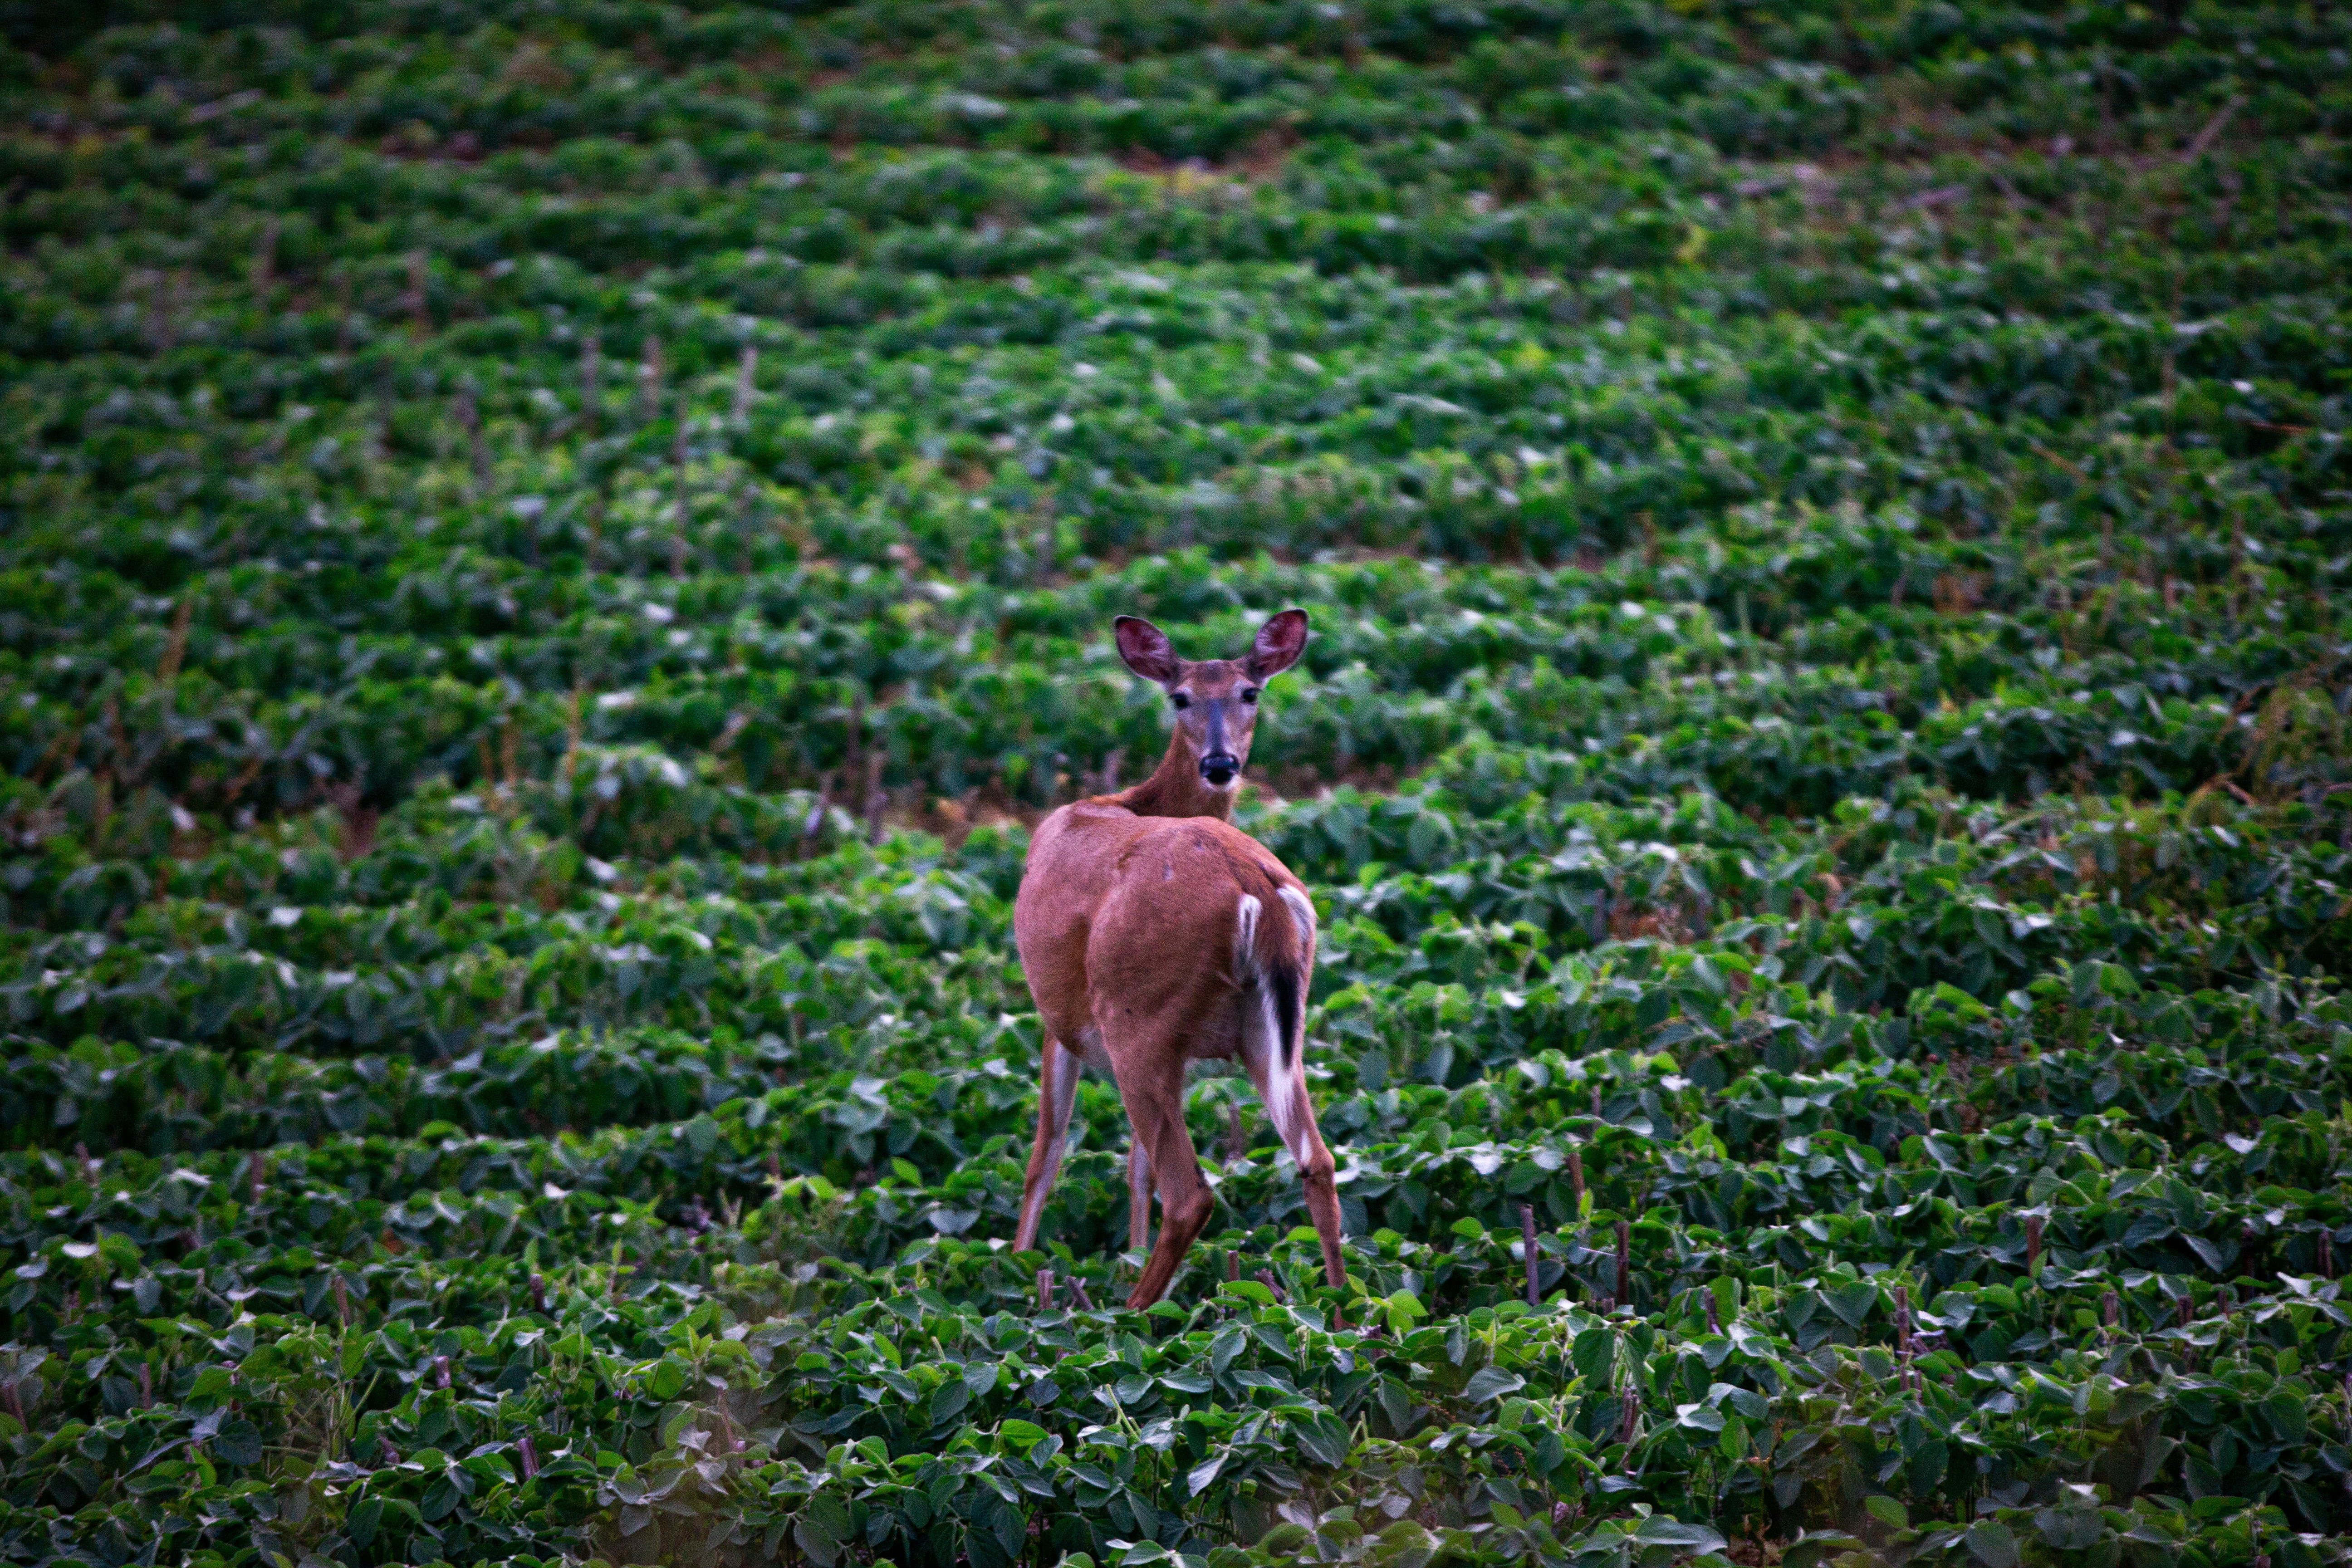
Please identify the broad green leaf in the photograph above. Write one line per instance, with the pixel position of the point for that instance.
(1990, 1543)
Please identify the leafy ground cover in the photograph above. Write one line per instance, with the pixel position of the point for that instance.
(550, 549)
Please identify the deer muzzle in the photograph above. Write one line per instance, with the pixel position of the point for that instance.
(1219, 766)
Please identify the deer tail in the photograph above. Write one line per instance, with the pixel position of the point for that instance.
(1274, 950)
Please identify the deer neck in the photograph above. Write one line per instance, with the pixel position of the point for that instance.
(1174, 788)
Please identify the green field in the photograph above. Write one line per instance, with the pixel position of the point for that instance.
(551, 551)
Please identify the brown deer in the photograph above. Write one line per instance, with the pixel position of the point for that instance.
(1154, 934)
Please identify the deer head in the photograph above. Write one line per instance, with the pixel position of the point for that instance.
(1215, 701)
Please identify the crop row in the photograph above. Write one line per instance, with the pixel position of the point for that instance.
(604, 770)
(1486, 905)
(344, 1233)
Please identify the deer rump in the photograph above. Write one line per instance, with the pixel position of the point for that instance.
(1245, 996)
(1196, 938)
(1150, 944)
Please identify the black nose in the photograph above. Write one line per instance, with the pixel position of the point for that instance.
(1219, 768)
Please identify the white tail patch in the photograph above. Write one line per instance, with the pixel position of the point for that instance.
(1302, 914)
(1246, 937)
(1281, 1084)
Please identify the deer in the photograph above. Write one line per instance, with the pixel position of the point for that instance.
(1153, 934)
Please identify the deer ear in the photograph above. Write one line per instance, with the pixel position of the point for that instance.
(1144, 649)
(1279, 642)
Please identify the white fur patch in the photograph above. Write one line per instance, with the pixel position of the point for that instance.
(1285, 1101)
(1282, 1090)
(1287, 1106)
(1302, 911)
(1246, 937)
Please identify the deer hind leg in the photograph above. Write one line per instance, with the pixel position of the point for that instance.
(1139, 1196)
(1282, 1087)
(1151, 1082)
(1057, 1091)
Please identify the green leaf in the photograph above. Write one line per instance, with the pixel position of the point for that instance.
(816, 1541)
(1403, 1310)
(2069, 1529)
(1660, 1529)
(237, 1442)
(1489, 1383)
(1853, 1303)
(1700, 1417)
(1323, 1437)
(1593, 1354)
(948, 1400)
(1813, 1547)
(441, 1499)
(1989, 1542)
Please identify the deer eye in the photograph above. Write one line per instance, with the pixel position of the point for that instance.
(1180, 701)
(1250, 698)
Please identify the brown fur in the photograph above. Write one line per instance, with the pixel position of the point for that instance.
(1127, 921)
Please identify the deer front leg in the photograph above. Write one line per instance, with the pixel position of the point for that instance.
(1283, 1089)
(1057, 1091)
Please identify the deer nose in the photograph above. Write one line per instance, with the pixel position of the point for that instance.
(1219, 768)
